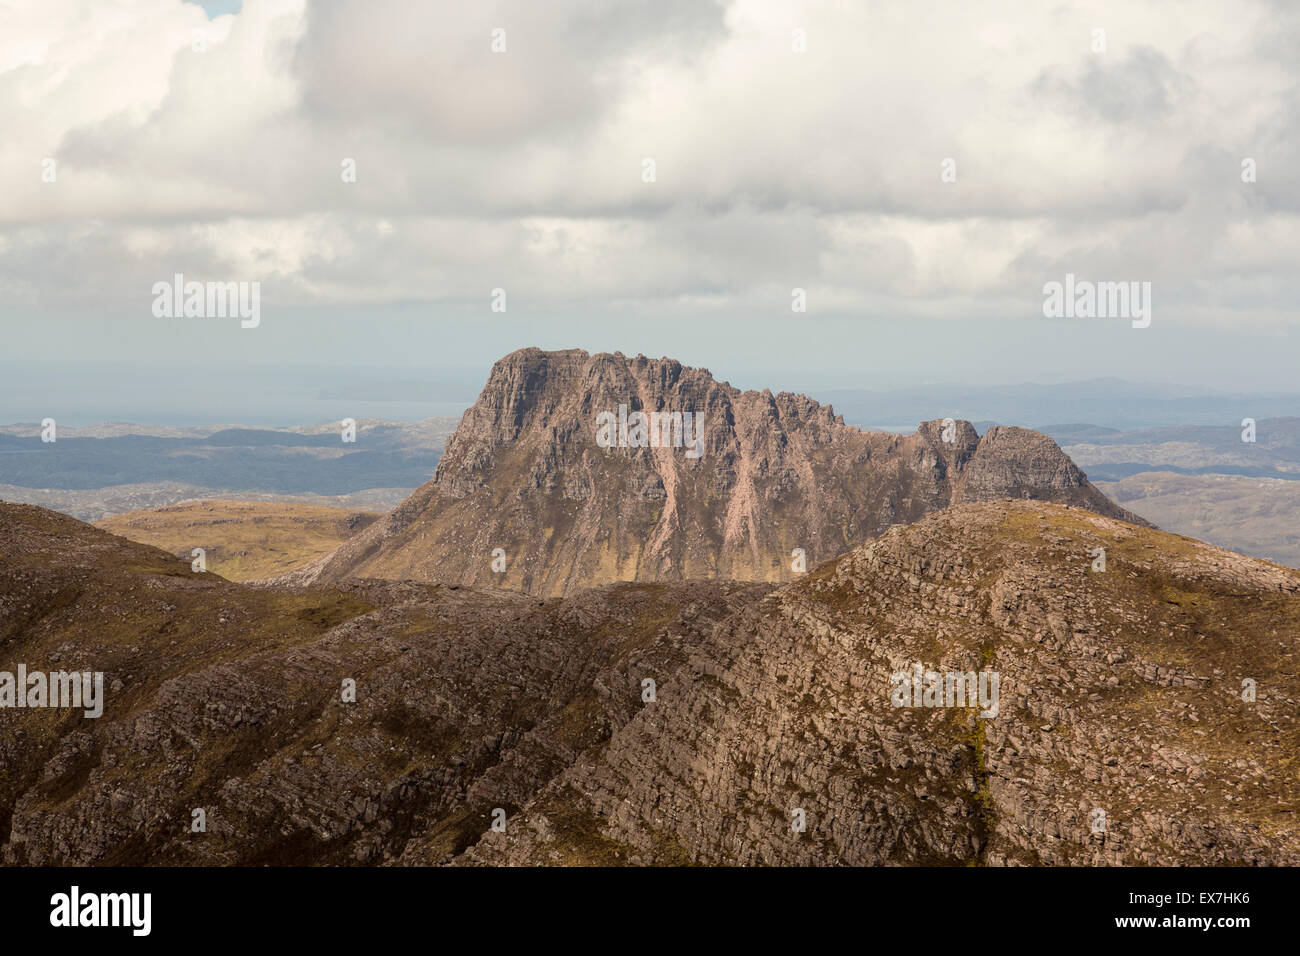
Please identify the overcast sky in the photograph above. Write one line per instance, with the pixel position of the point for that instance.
(215, 148)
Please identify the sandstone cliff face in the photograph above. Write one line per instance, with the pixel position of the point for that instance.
(1120, 691)
(524, 473)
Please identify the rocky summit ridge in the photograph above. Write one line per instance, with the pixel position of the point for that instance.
(530, 484)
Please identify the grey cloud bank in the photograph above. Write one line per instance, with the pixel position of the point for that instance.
(819, 169)
(824, 170)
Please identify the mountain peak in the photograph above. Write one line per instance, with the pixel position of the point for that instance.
(585, 469)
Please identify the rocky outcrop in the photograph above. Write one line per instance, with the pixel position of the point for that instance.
(1124, 734)
(524, 473)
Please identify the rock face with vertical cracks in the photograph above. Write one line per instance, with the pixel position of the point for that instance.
(525, 474)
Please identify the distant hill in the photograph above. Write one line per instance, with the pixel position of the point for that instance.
(1189, 450)
(1109, 403)
(1202, 480)
(114, 467)
(1256, 516)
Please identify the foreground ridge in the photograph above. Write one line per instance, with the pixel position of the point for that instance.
(666, 723)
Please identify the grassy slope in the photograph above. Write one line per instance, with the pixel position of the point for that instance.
(244, 540)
